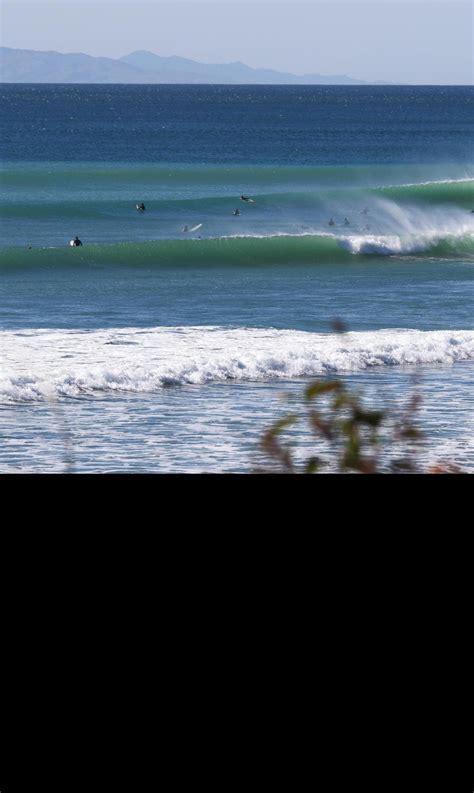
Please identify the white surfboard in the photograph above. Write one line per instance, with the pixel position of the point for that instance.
(195, 228)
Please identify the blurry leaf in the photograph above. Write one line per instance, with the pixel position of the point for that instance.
(371, 417)
(324, 427)
(339, 326)
(414, 402)
(410, 433)
(321, 388)
(445, 468)
(272, 446)
(313, 465)
(280, 425)
(368, 466)
(403, 465)
(347, 427)
(342, 400)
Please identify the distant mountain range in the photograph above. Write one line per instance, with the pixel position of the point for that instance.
(33, 66)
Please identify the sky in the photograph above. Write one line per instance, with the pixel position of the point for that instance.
(406, 41)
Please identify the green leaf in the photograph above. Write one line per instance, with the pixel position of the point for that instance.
(371, 417)
(280, 425)
(313, 465)
(321, 388)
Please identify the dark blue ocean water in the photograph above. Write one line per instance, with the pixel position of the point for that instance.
(275, 125)
(361, 211)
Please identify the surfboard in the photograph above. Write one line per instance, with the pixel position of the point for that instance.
(195, 228)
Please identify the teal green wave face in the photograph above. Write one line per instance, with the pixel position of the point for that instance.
(242, 251)
(43, 205)
(110, 203)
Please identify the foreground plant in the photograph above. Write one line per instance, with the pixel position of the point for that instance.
(348, 436)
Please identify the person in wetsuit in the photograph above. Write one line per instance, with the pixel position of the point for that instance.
(76, 242)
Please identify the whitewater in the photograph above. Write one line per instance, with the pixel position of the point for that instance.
(47, 364)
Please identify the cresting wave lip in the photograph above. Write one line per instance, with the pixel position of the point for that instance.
(48, 364)
(457, 192)
(434, 182)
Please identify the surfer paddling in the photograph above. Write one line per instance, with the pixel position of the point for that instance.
(247, 199)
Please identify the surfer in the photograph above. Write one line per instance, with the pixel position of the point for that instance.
(75, 242)
(236, 212)
(347, 222)
(331, 222)
(246, 198)
(185, 228)
(141, 206)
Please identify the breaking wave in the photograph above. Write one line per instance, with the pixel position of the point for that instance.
(46, 364)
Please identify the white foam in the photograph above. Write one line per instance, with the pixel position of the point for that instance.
(405, 230)
(44, 364)
(430, 182)
(385, 245)
(395, 245)
(270, 234)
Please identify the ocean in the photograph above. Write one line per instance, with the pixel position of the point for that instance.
(153, 347)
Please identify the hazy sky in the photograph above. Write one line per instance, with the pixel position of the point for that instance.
(409, 41)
